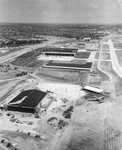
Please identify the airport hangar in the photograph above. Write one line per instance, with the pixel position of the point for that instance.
(59, 51)
(70, 52)
(68, 65)
(27, 101)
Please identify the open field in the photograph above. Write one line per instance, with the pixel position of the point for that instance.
(92, 46)
(28, 62)
(96, 56)
(105, 46)
(117, 45)
(1, 148)
(117, 39)
(64, 43)
(93, 126)
(8, 75)
(10, 50)
(106, 56)
(107, 66)
(119, 56)
(62, 90)
(7, 87)
(106, 50)
(95, 80)
(79, 61)
(9, 72)
(58, 75)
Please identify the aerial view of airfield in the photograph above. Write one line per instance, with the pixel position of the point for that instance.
(60, 75)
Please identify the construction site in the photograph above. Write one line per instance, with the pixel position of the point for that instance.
(58, 98)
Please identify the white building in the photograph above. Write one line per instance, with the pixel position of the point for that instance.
(93, 89)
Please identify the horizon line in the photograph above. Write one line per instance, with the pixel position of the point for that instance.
(60, 23)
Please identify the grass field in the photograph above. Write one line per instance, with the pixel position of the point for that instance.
(105, 46)
(117, 39)
(105, 50)
(107, 66)
(96, 56)
(82, 55)
(92, 46)
(117, 45)
(79, 61)
(106, 56)
(119, 56)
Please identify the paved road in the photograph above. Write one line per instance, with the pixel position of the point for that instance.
(108, 74)
(99, 61)
(115, 64)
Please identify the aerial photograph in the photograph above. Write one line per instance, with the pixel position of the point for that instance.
(60, 74)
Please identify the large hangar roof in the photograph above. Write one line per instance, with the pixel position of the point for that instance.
(66, 50)
(71, 65)
(29, 98)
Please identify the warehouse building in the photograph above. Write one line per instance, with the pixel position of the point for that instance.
(66, 50)
(59, 51)
(68, 65)
(27, 101)
(93, 89)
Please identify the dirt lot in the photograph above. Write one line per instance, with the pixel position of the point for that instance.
(92, 126)
(8, 71)
(59, 75)
(95, 79)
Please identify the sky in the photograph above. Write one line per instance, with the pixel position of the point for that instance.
(61, 11)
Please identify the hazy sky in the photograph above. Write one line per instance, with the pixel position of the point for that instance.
(61, 11)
